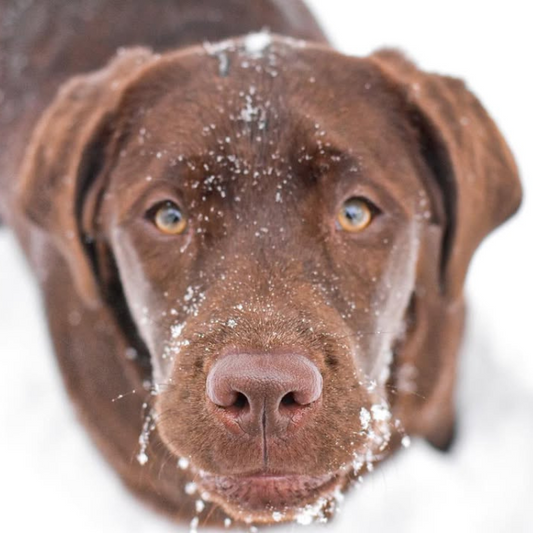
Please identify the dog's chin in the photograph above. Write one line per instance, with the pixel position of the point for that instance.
(274, 497)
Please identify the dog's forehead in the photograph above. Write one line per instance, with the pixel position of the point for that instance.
(265, 105)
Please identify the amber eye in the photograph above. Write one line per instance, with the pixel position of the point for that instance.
(169, 219)
(355, 215)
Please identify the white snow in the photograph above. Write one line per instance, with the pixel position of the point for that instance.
(199, 506)
(54, 479)
(183, 463)
(144, 438)
(364, 417)
(256, 43)
(194, 524)
(190, 488)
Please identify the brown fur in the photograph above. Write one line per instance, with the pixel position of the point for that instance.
(287, 133)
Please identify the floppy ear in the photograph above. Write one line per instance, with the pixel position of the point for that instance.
(66, 154)
(469, 157)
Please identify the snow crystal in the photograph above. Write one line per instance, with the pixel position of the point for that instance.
(312, 513)
(189, 294)
(194, 524)
(120, 396)
(142, 458)
(223, 66)
(148, 427)
(380, 412)
(364, 417)
(199, 506)
(256, 43)
(190, 488)
(220, 51)
(183, 463)
(249, 112)
(176, 329)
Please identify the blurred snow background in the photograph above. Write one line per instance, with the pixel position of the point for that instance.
(52, 477)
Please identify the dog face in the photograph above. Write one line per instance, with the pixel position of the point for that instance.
(288, 276)
(278, 217)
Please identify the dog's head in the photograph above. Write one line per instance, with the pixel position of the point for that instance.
(289, 230)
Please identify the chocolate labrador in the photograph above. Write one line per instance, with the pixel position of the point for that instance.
(252, 249)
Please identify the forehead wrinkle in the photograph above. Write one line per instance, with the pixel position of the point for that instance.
(367, 150)
(189, 142)
(196, 136)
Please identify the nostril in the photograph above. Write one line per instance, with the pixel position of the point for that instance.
(289, 400)
(241, 401)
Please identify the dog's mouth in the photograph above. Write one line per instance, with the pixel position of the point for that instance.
(272, 497)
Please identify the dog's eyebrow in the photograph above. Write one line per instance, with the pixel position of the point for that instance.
(139, 193)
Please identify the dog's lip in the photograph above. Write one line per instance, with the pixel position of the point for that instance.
(262, 475)
(262, 490)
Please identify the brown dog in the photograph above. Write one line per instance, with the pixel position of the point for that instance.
(266, 240)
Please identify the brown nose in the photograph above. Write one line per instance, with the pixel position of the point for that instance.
(274, 392)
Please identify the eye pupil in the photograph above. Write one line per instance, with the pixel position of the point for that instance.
(170, 215)
(355, 215)
(169, 219)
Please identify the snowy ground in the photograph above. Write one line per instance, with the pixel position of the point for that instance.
(52, 478)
